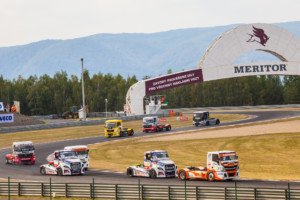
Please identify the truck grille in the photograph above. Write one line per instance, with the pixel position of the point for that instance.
(231, 174)
(170, 173)
(147, 126)
(76, 167)
(230, 168)
(170, 167)
(29, 155)
(110, 130)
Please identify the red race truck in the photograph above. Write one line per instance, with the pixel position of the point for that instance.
(150, 124)
(23, 153)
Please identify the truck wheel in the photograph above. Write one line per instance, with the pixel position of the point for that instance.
(210, 176)
(152, 174)
(43, 171)
(59, 172)
(182, 175)
(169, 128)
(129, 172)
(207, 123)
(7, 161)
(218, 122)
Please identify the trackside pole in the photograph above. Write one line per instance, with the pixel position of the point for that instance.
(185, 189)
(235, 190)
(93, 188)
(8, 185)
(289, 193)
(139, 189)
(50, 190)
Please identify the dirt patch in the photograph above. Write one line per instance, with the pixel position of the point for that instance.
(280, 127)
(21, 120)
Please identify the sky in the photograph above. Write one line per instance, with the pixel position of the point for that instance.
(27, 21)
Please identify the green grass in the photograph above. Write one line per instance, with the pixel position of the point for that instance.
(269, 156)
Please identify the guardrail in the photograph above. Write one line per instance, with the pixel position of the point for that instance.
(139, 191)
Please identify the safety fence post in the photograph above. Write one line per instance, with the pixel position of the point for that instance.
(225, 193)
(116, 192)
(93, 188)
(8, 185)
(197, 193)
(185, 189)
(50, 190)
(289, 192)
(66, 189)
(169, 193)
(42, 189)
(19, 189)
(235, 190)
(139, 189)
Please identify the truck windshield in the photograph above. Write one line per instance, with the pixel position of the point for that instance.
(198, 115)
(228, 158)
(68, 154)
(83, 152)
(110, 125)
(160, 155)
(148, 121)
(24, 148)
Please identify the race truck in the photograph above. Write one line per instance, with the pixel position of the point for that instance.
(65, 163)
(150, 124)
(114, 128)
(22, 153)
(202, 118)
(156, 165)
(82, 152)
(221, 165)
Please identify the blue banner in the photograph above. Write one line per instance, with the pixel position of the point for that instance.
(6, 118)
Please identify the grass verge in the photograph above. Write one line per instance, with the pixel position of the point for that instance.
(269, 156)
(56, 134)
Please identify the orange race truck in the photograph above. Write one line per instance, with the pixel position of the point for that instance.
(221, 165)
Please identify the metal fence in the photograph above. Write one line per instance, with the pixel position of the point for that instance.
(139, 191)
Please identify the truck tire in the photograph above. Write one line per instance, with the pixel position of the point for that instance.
(130, 172)
(43, 171)
(182, 175)
(131, 132)
(59, 172)
(153, 174)
(210, 176)
(218, 122)
(207, 123)
(7, 161)
(168, 128)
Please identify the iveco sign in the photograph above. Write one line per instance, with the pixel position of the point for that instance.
(6, 118)
(260, 68)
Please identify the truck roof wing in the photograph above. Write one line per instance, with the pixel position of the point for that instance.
(25, 142)
(76, 147)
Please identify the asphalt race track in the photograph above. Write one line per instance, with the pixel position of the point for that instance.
(32, 173)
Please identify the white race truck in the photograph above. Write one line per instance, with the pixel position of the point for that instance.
(150, 124)
(82, 152)
(221, 165)
(22, 153)
(64, 163)
(156, 165)
(202, 118)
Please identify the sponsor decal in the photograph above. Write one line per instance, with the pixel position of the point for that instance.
(258, 35)
(182, 118)
(162, 119)
(260, 68)
(227, 154)
(1, 106)
(173, 80)
(6, 118)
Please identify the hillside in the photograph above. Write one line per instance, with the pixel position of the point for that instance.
(127, 54)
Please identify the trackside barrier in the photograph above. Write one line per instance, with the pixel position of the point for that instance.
(140, 191)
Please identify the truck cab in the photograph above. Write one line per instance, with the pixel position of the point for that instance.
(151, 124)
(158, 161)
(225, 163)
(22, 153)
(82, 152)
(202, 118)
(66, 162)
(114, 128)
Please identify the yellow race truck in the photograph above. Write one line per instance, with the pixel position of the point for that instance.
(114, 128)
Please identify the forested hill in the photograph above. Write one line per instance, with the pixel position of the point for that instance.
(126, 54)
(53, 95)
